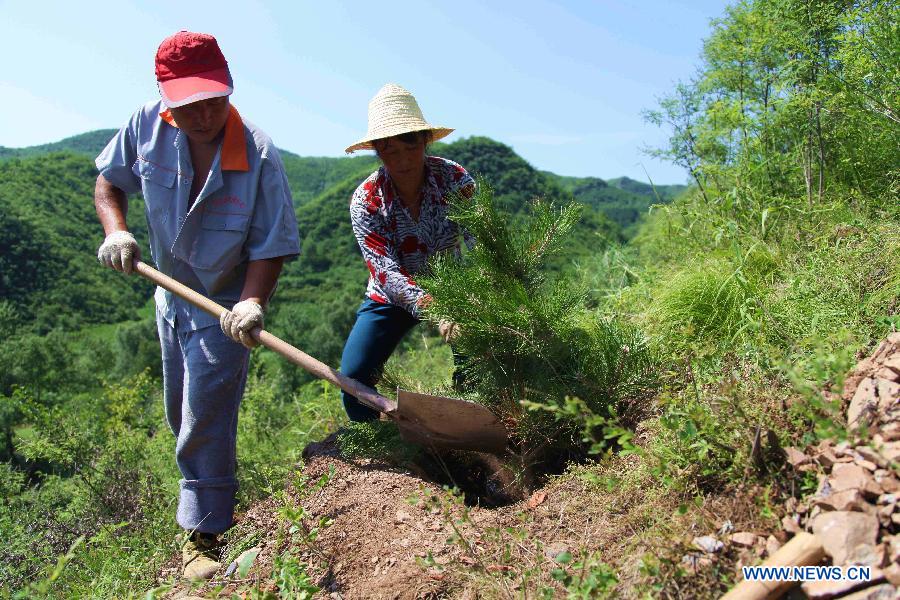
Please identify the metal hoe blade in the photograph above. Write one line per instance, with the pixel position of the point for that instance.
(441, 422)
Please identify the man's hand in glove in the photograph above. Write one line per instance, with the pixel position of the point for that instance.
(240, 320)
(119, 251)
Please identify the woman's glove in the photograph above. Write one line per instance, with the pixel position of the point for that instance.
(238, 322)
(448, 330)
(119, 251)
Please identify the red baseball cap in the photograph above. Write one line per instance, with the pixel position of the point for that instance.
(190, 67)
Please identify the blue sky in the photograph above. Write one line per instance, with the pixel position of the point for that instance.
(563, 83)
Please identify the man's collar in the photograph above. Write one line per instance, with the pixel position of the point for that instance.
(234, 143)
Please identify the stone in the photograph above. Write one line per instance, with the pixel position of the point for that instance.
(401, 516)
(893, 547)
(850, 476)
(820, 590)
(891, 451)
(708, 544)
(744, 539)
(553, 550)
(868, 453)
(772, 545)
(888, 393)
(893, 363)
(884, 591)
(892, 573)
(866, 555)
(863, 403)
(851, 499)
(842, 531)
(795, 457)
(886, 373)
(866, 464)
(828, 459)
(889, 483)
(887, 499)
(891, 433)
(886, 513)
(791, 524)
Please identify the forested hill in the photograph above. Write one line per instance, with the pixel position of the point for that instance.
(91, 143)
(48, 236)
(623, 200)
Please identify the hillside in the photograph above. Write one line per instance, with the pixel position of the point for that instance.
(678, 404)
(624, 201)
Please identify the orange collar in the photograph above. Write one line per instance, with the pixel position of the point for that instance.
(234, 144)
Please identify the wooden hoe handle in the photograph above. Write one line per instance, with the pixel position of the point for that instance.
(364, 393)
(804, 549)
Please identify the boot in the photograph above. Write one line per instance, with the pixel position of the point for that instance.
(200, 556)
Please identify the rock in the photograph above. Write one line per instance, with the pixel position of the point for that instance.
(708, 544)
(889, 483)
(892, 574)
(866, 464)
(886, 373)
(866, 555)
(885, 514)
(842, 531)
(884, 591)
(744, 539)
(868, 453)
(891, 433)
(772, 545)
(890, 451)
(887, 499)
(828, 459)
(795, 457)
(555, 549)
(401, 516)
(888, 393)
(791, 524)
(850, 476)
(893, 363)
(851, 499)
(864, 402)
(893, 547)
(817, 590)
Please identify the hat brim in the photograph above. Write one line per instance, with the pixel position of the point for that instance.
(200, 86)
(437, 133)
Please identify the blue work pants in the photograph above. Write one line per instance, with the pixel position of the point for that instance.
(376, 333)
(204, 373)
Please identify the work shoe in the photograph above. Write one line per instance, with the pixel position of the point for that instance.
(200, 556)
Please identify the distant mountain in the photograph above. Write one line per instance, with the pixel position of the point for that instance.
(49, 237)
(623, 200)
(90, 143)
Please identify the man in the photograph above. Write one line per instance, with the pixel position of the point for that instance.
(221, 221)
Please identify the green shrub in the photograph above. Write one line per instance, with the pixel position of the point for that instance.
(526, 337)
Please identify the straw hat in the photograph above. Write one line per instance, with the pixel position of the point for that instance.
(394, 111)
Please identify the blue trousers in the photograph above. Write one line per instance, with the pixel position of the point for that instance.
(204, 373)
(375, 335)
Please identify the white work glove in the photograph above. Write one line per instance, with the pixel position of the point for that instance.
(240, 320)
(448, 330)
(119, 251)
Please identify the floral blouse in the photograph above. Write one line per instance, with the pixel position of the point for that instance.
(396, 247)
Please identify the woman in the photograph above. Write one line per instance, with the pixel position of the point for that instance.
(399, 218)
